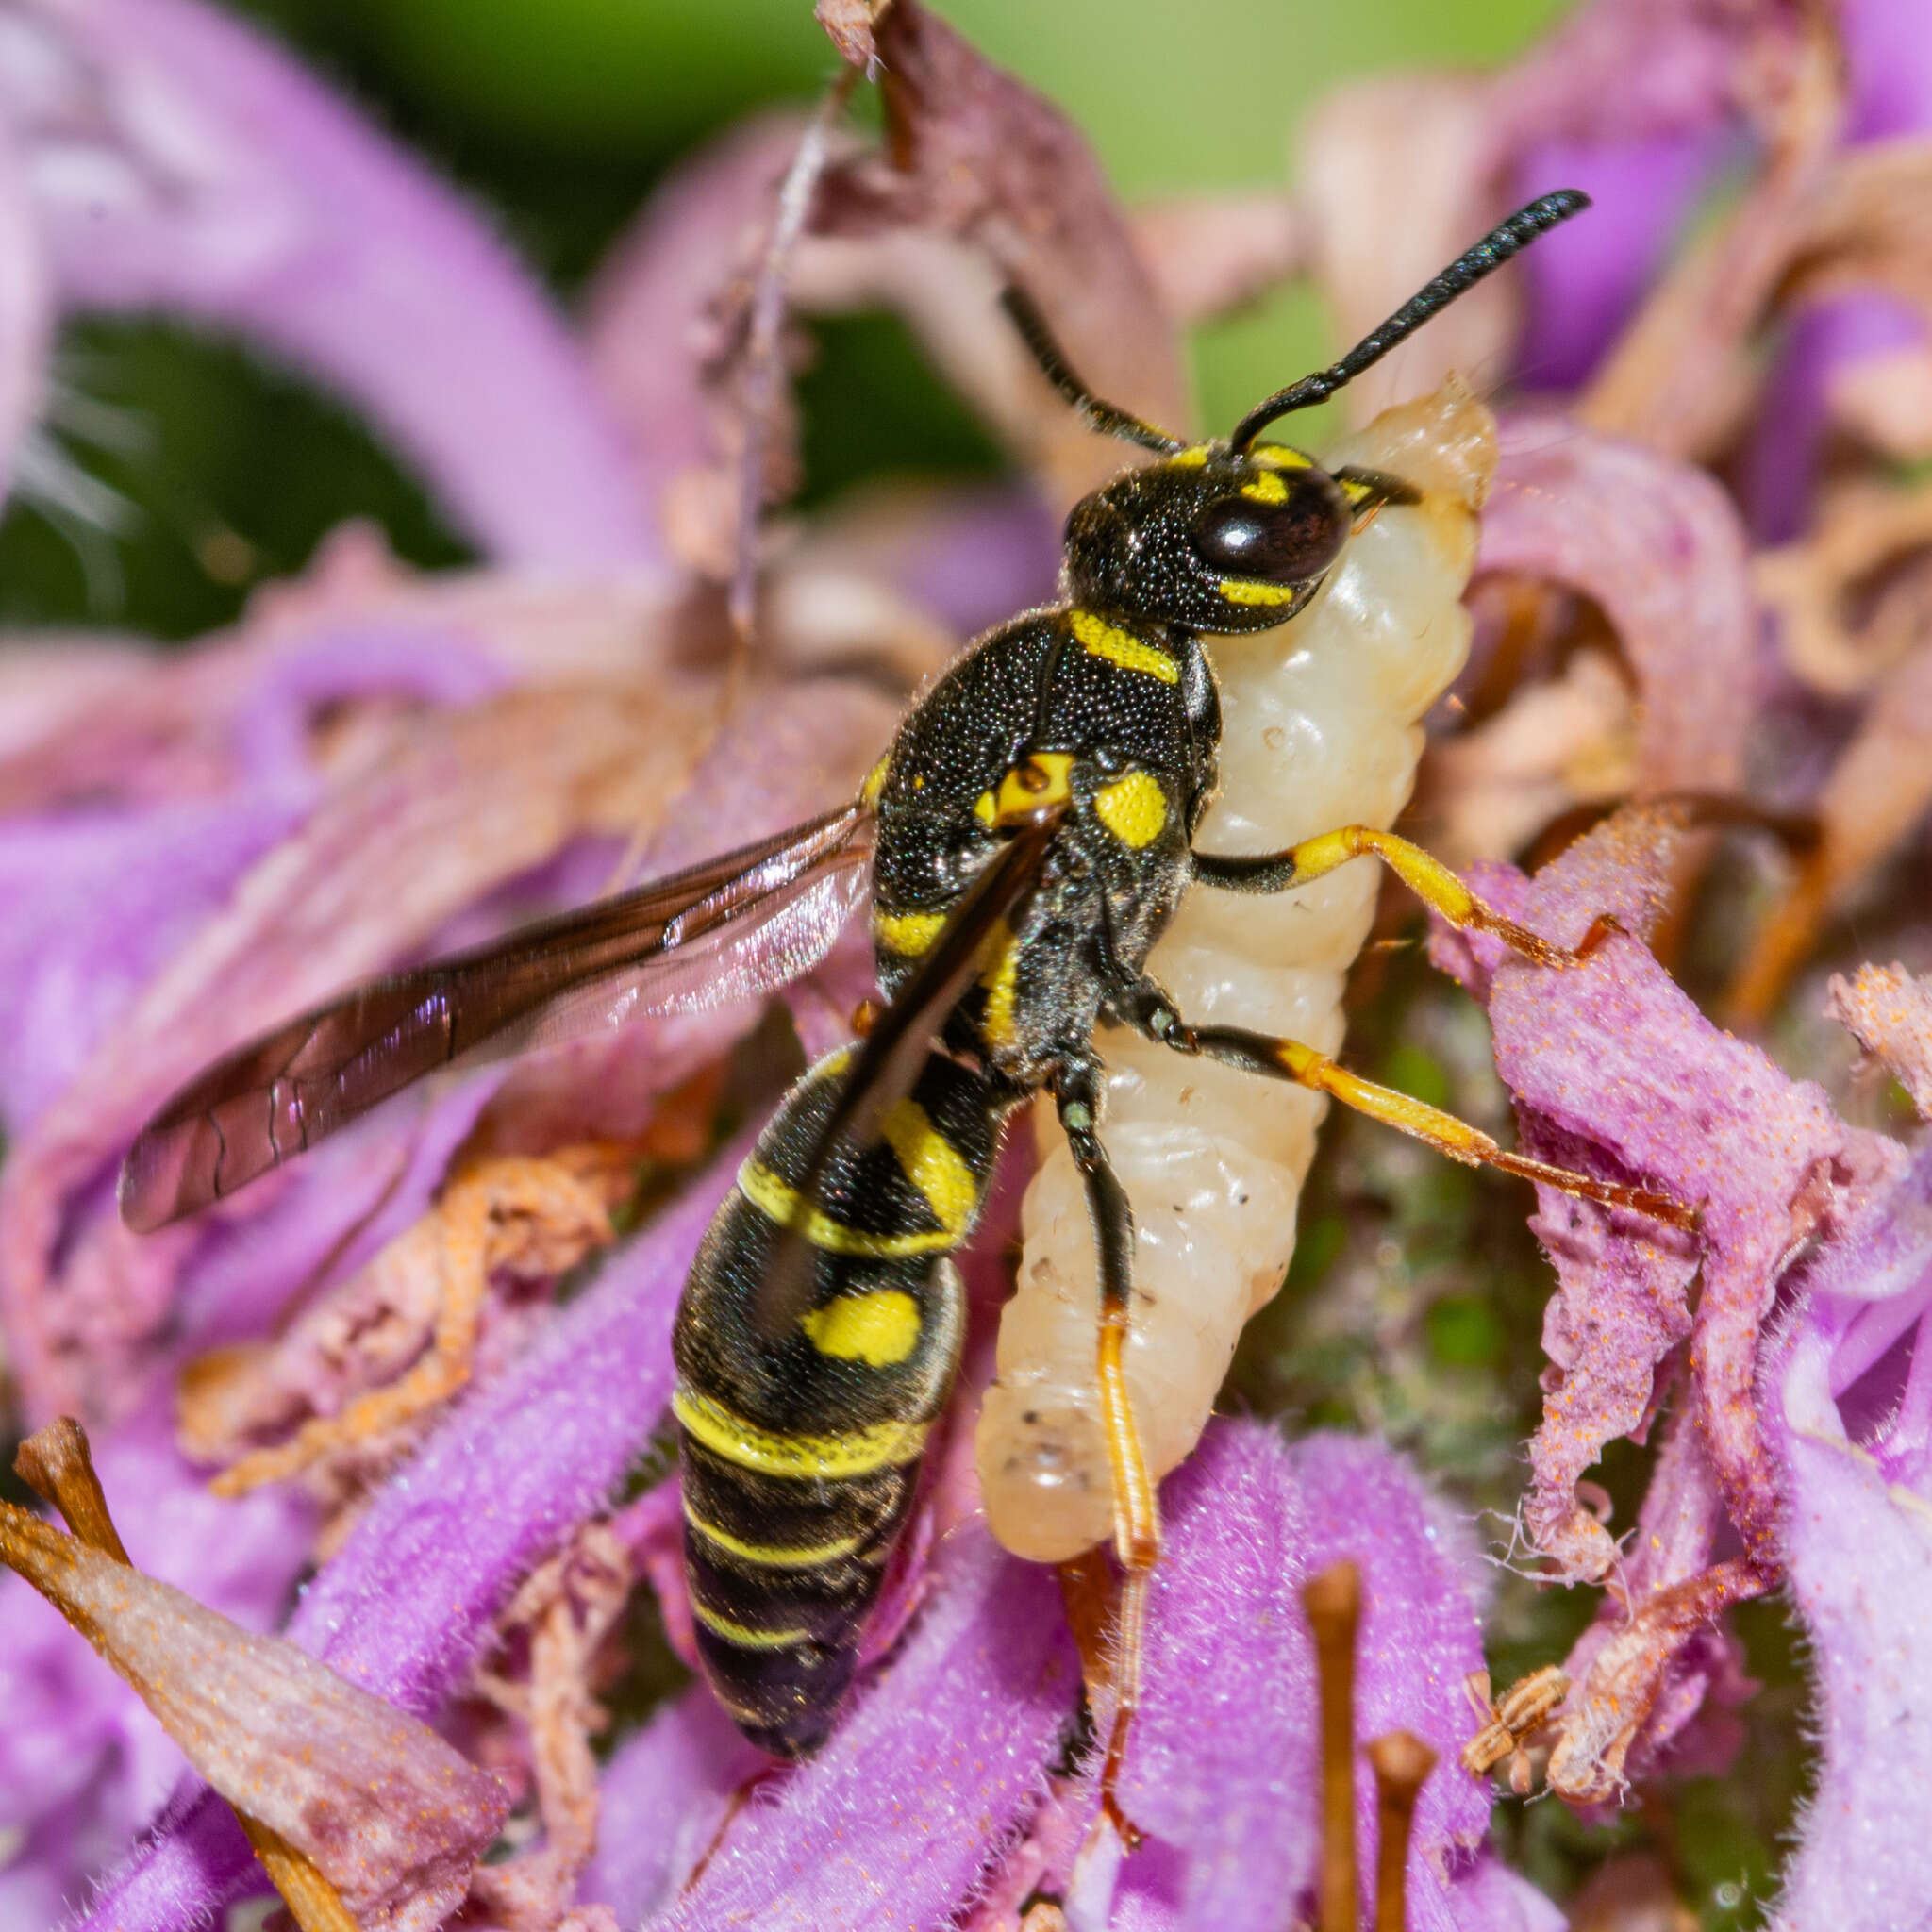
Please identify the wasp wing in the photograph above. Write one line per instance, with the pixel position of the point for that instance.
(724, 931)
(888, 1064)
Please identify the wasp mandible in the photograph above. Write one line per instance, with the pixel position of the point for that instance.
(1027, 836)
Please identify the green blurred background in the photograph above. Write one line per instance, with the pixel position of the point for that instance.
(559, 115)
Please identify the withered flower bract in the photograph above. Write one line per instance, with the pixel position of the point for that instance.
(372, 1464)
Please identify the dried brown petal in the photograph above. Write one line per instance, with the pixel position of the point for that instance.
(1868, 226)
(389, 1815)
(355, 1377)
(1889, 1013)
(1659, 549)
(974, 156)
(850, 25)
(58, 1464)
(1878, 796)
(1395, 180)
(1885, 400)
(1211, 253)
(1853, 597)
(469, 799)
(1553, 747)
(563, 1612)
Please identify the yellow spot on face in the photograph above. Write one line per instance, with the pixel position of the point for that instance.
(909, 934)
(1193, 459)
(919, 781)
(876, 1329)
(984, 810)
(778, 1200)
(774, 1555)
(933, 1165)
(1044, 779)
(1266, 488)
(1278, 456)
(857, 1452)
(742, 1635)
(875, 785)
(1104, 640)
(1133, 808)
(1001, 981)
(1237, 592)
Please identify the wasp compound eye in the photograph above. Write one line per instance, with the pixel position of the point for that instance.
(1291, 542)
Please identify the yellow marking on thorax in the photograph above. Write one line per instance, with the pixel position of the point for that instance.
(830, 1458)
(1133, 808)
(1266, 488)
(879, 1329)
(774, 1555)
(778, 1200)
(1281, 456)
(909, 934)
(1044, 779)
(1102, 640)
(1001, 979)
(933, 1165)
(986, 809)
(1193, 458)
(876, 782)
(1237, 592)
(742, 1635)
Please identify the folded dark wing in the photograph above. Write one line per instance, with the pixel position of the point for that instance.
(888, 1063)
(731, 928)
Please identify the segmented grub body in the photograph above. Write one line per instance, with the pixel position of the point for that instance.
(1320, 729)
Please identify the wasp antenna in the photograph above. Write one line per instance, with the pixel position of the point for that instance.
(1505, 240)
(1096, 414)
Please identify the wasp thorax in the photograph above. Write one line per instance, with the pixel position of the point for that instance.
(1212, 539)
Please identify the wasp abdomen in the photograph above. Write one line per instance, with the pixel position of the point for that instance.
(801, 1450)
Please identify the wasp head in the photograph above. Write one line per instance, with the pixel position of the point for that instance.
(1211, 538)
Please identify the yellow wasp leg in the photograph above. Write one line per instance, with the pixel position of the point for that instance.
(1289, 1060)
(1428, 878)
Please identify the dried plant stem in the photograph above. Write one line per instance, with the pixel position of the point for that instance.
(758, 387)
(56, 1462)
(1402, 1764)
(1333, 1601)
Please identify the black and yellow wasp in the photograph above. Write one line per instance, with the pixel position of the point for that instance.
(1029, 835)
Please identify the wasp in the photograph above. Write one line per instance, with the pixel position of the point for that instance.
(1026, 837)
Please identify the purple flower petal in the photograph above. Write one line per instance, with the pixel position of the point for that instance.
(1793, 420)
(1615, 1070)
(1222, 1768)
(1223, 1763)
(1586, 279)
(1658, 547)
(1858, 1543)
(1888, 50)
(666, 1795)
(179, 162)
(940, 1761)
(95, 904)
(403, 1609)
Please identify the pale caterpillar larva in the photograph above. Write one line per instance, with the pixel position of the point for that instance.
(1321, 729)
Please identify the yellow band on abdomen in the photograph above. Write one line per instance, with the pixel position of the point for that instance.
(851, 1453)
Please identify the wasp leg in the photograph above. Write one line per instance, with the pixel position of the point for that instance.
(1367, 491)
(1146, 1007)
(1136, 1510)
(1428, 878)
